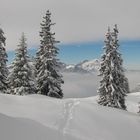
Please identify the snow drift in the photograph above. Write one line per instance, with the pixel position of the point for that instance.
(37, 117)
(24, 129)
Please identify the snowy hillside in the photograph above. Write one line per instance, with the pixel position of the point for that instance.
(24, 129)
(37, 117)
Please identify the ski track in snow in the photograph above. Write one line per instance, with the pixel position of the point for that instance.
(67, 116)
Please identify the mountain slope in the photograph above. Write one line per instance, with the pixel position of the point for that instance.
(70, 119)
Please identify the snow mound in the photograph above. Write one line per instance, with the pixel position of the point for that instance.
(47, 118)
(24, 129)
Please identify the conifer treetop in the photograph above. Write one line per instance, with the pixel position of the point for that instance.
(2, 38)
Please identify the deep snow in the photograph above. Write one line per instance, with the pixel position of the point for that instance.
(37, 117)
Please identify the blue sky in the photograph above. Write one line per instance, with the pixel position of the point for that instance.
(76, 52)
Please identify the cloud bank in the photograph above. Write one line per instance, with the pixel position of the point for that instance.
(77, 20)
(86, 85)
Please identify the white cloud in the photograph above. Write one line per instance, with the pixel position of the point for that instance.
(77, 20)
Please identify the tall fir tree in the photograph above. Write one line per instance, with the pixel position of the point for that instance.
(114, 85)
(20, 80)
(3, 66)
(49, 79)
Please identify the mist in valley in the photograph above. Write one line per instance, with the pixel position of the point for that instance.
(86, 85)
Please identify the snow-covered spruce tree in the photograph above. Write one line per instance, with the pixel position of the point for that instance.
(114, 84)
(20, 79)
(3, 66)
(49, 79)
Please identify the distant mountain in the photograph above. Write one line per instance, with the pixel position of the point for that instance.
(86, 66)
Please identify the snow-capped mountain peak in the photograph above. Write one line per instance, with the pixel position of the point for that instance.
(86, 66)
(92, 65)
(70, 66)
